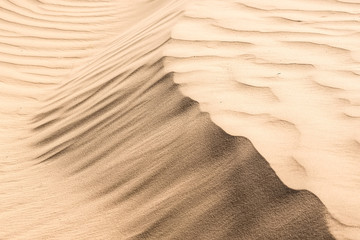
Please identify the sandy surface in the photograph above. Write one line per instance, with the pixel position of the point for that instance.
(127, 121)
(287, 76)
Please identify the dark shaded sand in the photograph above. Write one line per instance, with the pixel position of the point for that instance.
(160, 169)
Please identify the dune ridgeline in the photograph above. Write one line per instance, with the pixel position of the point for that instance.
(179, 119)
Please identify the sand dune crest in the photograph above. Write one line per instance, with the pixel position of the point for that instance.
(105, 131)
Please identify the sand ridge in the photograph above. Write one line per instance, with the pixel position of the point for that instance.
(285, 75)
(98, 141)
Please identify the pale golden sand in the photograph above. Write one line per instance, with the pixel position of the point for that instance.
(97, 142)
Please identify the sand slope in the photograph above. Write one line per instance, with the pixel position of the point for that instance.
(287, 76)
(98, 142)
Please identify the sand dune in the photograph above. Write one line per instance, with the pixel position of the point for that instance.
(286, 76)
(150, 120)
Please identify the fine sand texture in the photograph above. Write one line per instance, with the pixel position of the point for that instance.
(177, 119)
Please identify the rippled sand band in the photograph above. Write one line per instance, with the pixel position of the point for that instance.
(100, 140)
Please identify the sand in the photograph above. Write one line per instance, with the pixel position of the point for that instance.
(179, 120)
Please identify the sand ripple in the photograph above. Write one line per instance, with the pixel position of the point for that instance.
(108, 108)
